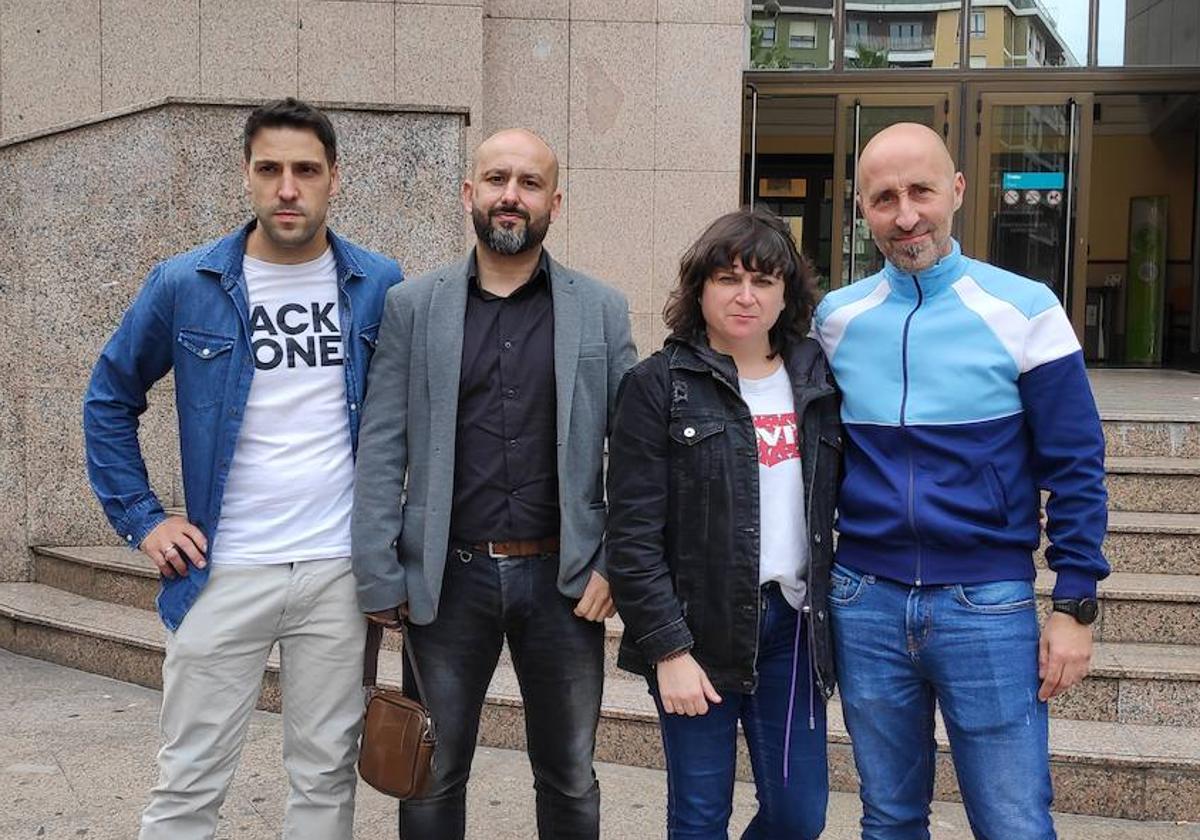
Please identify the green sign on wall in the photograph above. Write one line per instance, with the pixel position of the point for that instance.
(1146, 281)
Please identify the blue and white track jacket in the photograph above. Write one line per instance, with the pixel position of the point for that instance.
(964, 394)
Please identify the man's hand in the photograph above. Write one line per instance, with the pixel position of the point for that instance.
(173, 543)
(1064, 654)
(392, 618)
(684, 688)
(596, 603)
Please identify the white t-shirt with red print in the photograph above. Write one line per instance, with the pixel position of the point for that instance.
(783, 541)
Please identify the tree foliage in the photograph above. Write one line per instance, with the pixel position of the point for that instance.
(868, 58)
(774, 57)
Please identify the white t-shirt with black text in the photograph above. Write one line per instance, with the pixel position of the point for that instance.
(783, 530)
(291, 483)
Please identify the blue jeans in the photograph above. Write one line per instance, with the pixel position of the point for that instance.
(701, 751)
(559, 662)
(973, 649)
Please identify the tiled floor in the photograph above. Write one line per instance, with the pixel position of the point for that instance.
(1147, 395)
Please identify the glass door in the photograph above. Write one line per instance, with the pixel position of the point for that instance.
(789, 168)
(861, 117)
(1030, 201)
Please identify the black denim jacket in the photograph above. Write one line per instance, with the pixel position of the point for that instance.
(683, 526)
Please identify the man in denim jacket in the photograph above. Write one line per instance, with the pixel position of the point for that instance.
(269, 332)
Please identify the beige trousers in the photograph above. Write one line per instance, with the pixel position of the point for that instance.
(212, 677)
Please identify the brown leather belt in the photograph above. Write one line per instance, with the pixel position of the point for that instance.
(516, 548)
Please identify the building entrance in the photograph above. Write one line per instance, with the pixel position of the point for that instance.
(1092, 192)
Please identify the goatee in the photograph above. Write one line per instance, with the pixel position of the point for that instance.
(509, 241)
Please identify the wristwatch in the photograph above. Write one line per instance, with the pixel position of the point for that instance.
(1083, 610)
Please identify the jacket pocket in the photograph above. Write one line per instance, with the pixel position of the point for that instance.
(595, 350)
(957, 506)
(690, 432)
(697, 457)
(996, 489)
(202, 367)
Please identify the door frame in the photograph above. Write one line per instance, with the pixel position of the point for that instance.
(976, 168)
(945, 95)
(965, 87)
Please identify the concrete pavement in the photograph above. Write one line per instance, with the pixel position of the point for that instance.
(77, 758)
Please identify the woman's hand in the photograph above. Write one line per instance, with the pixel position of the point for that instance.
(683, 686)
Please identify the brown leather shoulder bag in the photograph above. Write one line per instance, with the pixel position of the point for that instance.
(398, 738)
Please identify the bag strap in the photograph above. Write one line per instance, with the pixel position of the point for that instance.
(371, 657)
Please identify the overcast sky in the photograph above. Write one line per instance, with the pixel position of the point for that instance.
(1071, 18)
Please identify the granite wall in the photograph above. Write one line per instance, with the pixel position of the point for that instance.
(640, 98)
(86, 211)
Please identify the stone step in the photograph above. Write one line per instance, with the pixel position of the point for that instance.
(1130, 613)
(1104, 768)
(1133, 682)
(1154, 543)
(1136, 607)
(120, 576)
(1129, 436)
(1129, 682)
(1154, 484)
(106, 573)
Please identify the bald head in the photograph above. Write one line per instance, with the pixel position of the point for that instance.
(908, 192)
(517, 142)
(907, 141)
(512, 193)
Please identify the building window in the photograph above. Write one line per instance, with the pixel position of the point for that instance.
(802, 34)
(905, 31)
(1036, 48)
(978, 61)
(768, 31)
(906, 36)
(978, 24)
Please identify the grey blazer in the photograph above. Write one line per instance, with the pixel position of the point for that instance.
(404, 482)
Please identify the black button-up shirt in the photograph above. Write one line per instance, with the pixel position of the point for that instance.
(505, 462)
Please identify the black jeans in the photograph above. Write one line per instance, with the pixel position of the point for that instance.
(559, 661)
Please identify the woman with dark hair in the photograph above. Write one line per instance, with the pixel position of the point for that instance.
(724, 460)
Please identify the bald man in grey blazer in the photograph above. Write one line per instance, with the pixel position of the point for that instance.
(479, 505)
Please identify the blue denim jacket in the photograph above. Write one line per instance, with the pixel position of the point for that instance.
(192, 316)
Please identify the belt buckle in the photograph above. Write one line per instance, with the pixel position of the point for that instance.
(493, 554)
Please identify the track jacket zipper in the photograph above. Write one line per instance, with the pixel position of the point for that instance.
(912, 479)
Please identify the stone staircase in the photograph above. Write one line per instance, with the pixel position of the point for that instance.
(1124, 744)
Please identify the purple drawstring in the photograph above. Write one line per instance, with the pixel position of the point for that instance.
(812, 680)
(812, 717)
(787, 732)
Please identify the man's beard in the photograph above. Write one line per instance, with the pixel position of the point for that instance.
(912, 258)
(509, 241)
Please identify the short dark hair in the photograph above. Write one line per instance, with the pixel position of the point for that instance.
(763, 243)
(291, 113)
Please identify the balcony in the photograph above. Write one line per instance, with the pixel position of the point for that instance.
(881, 43)
(863, 50)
